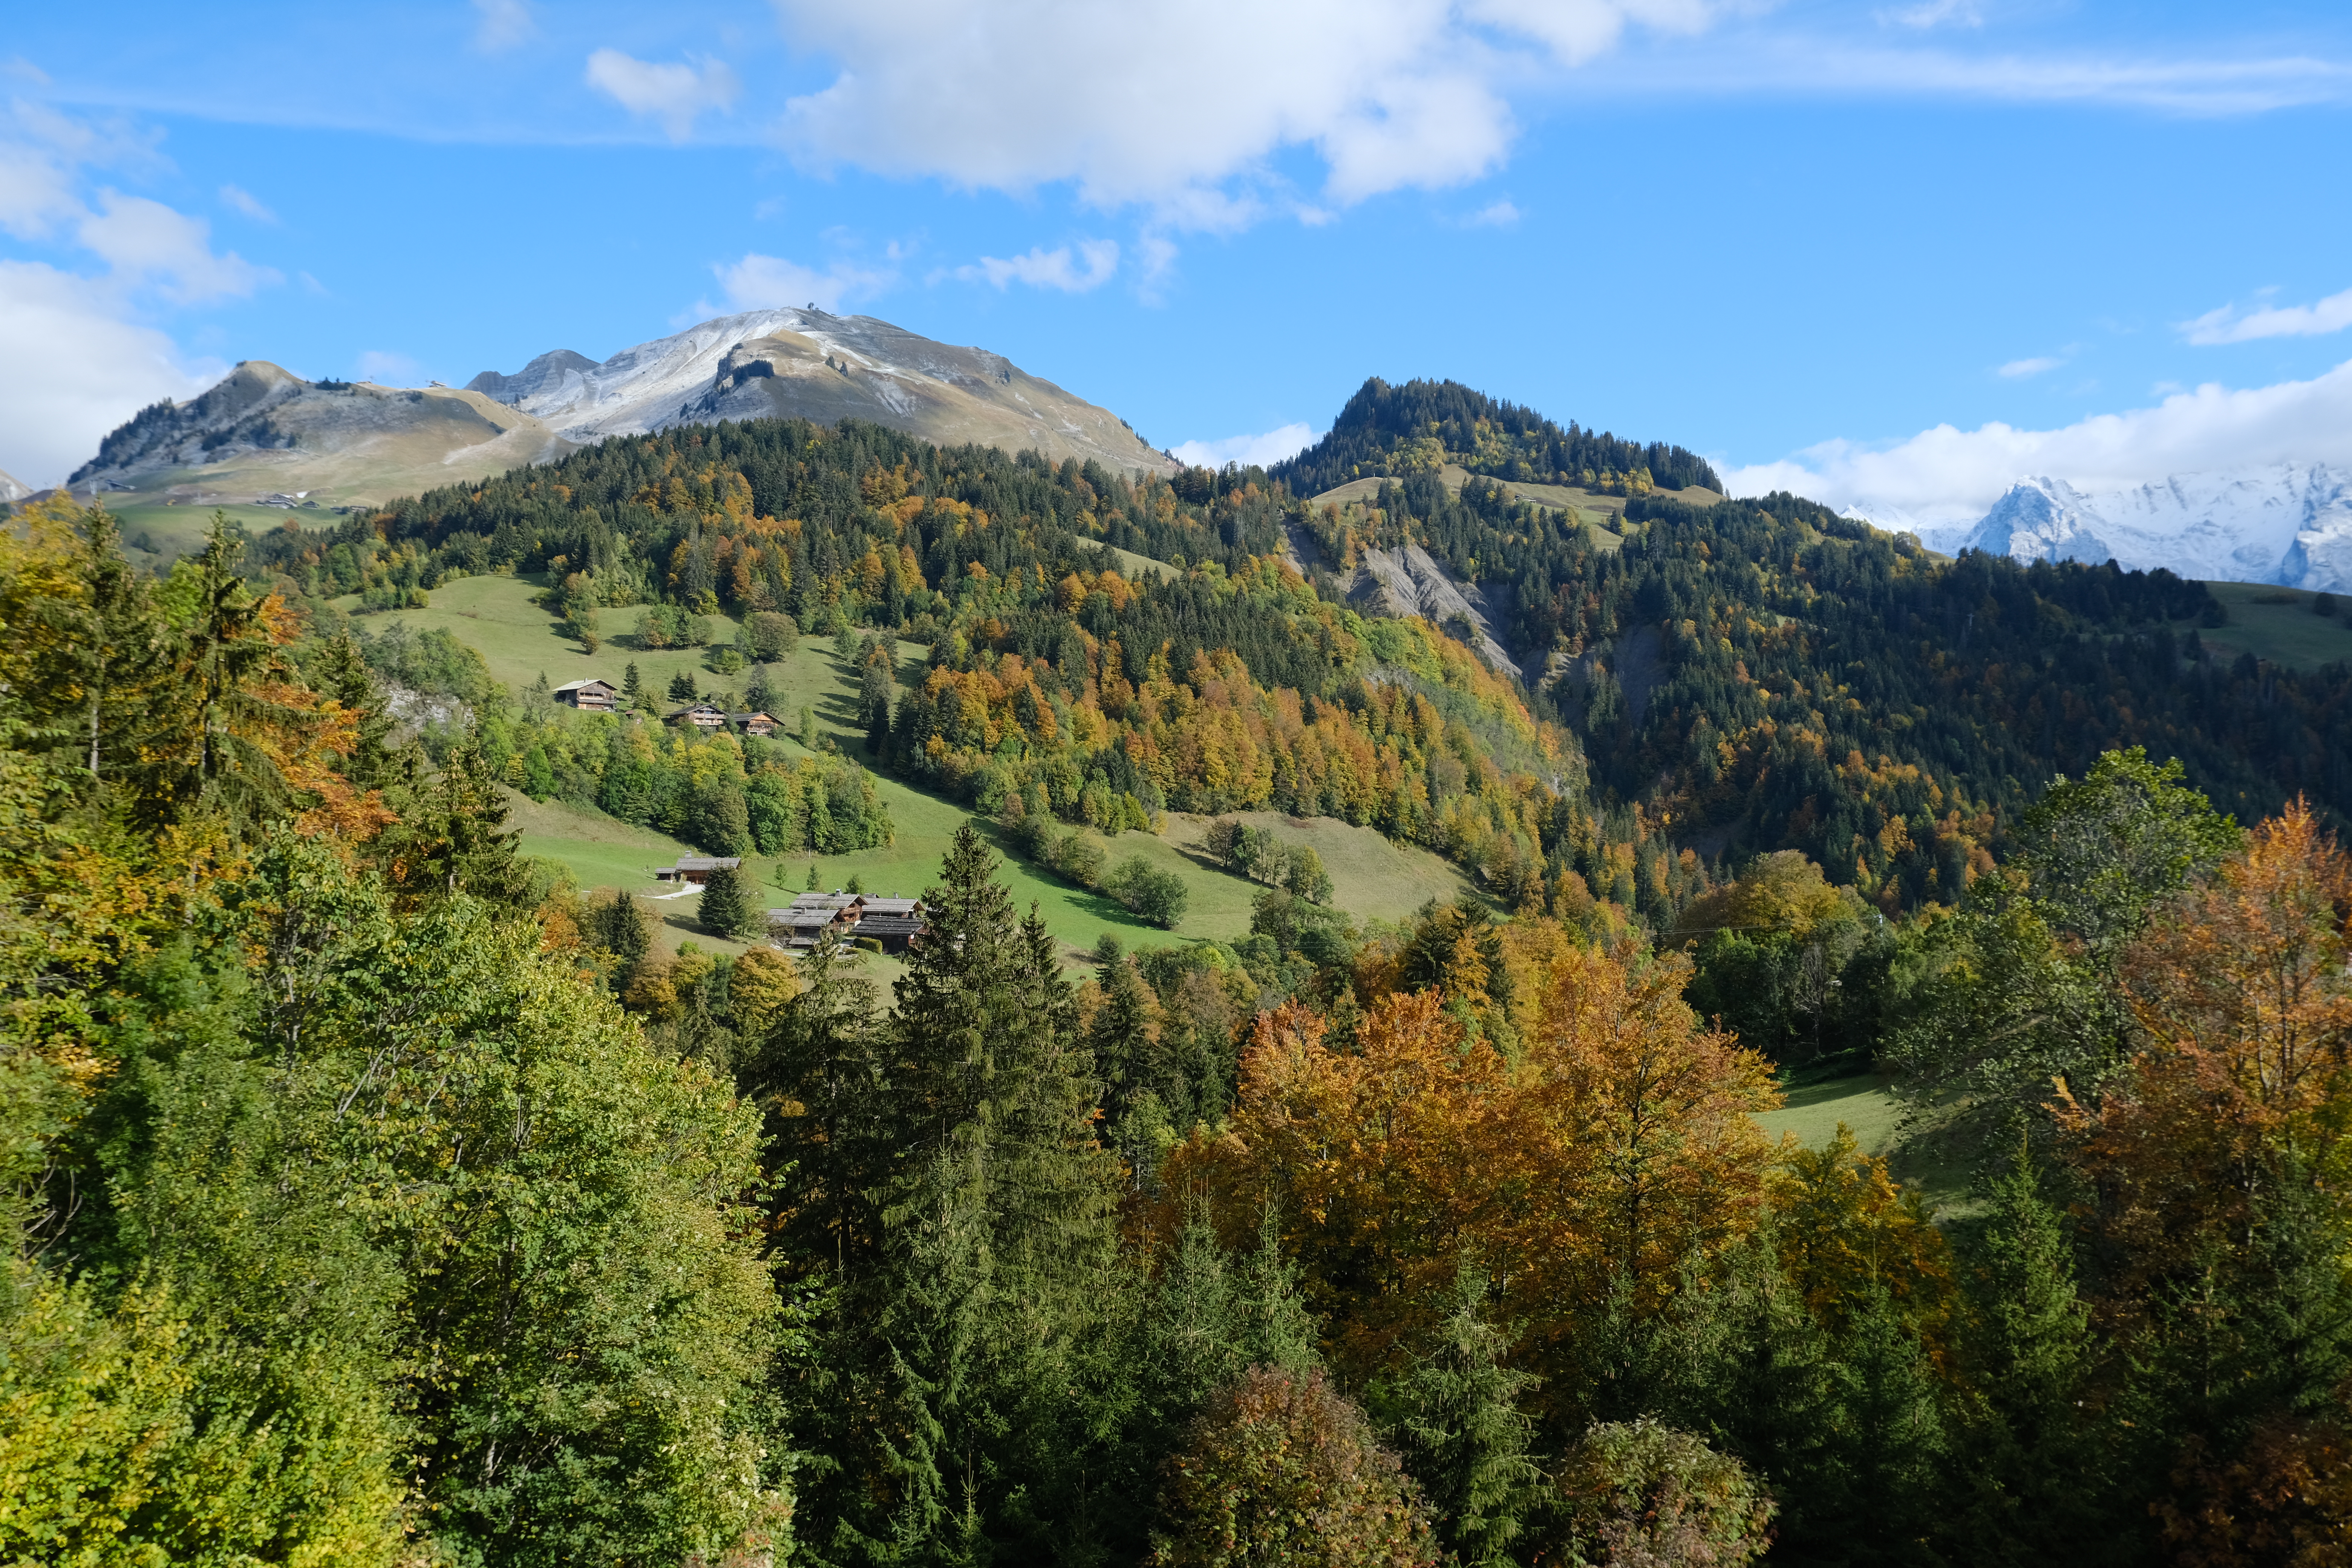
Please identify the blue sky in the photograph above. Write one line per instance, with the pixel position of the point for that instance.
(1896, 253)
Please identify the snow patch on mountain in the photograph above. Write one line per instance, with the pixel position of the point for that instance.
(11, 488)
(2283, 524)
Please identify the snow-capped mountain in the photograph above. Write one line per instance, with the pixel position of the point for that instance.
(2288, 524)
(815, 366)
(11, 488)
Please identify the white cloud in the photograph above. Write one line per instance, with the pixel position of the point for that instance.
(2227, 325)
(81, 342)
(77, 369)
(1935, 14)
(1271, 447)
(676, 95)
(1502, 215)
(1170, 102)
(245, 202)
(1044, 269)
(1948, 475)
(760, 282)
(387, 368)
(2024, 367)
(144, 241)
(504, 24)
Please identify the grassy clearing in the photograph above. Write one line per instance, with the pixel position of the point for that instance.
(1816, 1103)
(179, 530)
(2278, 625)
(1371, 877)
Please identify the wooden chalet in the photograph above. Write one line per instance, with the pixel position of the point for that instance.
(753, 723)
(599, 695)
(700, 715)
(697, 868)
(894, 922)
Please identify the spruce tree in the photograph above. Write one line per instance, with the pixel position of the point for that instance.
(731, 907)
(1455, 1416)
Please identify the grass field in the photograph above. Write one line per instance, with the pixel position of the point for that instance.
(179, 530)
(1371, 877)
(1816, 1103)
(2282, 630)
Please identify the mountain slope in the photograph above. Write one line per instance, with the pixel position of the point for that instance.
(811, 365)
(12, 488)
(262, 429)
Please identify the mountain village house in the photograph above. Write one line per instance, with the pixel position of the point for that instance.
(893, 923)
(701, 715)
(695, 868)
(599, 695)
(753, 723)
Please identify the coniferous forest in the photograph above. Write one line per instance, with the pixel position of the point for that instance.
(380, 1197)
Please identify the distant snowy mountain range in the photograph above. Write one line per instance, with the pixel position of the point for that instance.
(2287, 523)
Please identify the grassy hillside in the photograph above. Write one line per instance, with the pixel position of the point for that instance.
(178, 529)
(2277, 624)
(1372, 878)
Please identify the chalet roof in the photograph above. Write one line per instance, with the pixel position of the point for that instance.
(812, 920)
(829, 901)
(583, 685)
(707, 862)
(683, 709)
(891, 925)
(894, 907)
(747, 718)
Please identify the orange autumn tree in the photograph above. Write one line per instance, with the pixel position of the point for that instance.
(2243, 992)
(1617, 1145)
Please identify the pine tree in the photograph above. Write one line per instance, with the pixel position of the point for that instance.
(342, 674)
(730, 906)
(1455, 1416)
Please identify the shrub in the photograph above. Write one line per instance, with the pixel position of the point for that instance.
(1280, 1469)
(664, 626)
(1640, 1491)
(869, 944)
(1075, 861)
(1156, 895)
(727, 661)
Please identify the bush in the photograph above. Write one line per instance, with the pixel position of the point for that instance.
(727, 661)
(868, 945)
(1640, 1491)
(1157, 896)
(665, 626)
(1075, 861)
(1280, 1469)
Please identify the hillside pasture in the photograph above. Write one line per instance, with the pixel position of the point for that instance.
(1372, 878)
(2278, 625)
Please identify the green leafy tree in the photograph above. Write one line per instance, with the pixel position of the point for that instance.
(1640, 1491)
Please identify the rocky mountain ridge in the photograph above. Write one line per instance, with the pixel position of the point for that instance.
(263, 430)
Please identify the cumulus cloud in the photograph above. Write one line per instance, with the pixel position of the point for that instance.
(2230, 325)
(78, 367)
(1501, 214)
(80, 341)
(1044, 269)
(1166, 102)
(2024, 367)
(676, 95)
(503, 25)
(1946, 475)
(762, 282)
(1260, 450)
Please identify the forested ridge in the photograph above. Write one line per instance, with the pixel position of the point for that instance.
(380, 1199)
(1725, 681)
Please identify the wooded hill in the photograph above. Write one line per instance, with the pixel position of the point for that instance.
(1734, 679)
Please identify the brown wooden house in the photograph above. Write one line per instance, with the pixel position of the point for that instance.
(599, 695)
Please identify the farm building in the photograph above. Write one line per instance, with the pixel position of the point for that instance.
(599, 695)
(695, 868)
